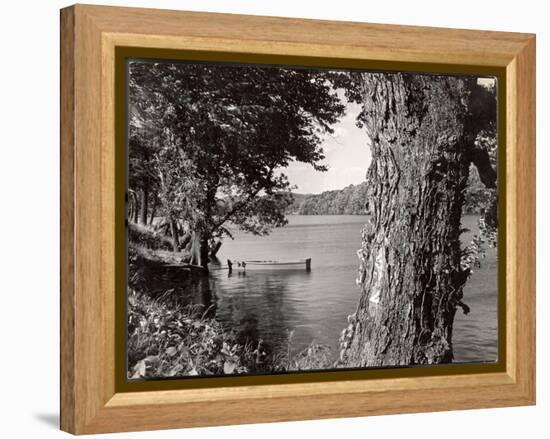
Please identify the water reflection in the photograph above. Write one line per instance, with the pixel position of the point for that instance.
(176, 287)
(259, 305)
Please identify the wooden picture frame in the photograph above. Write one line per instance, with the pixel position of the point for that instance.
(91, 398)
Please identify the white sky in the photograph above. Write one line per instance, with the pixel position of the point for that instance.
(487, 82)
(347, 156)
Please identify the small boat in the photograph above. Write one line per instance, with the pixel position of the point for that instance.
(270, 265)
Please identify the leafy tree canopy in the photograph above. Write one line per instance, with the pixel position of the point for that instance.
(213, 136)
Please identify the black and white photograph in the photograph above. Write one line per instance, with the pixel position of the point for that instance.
(286, 219)
(275, 219)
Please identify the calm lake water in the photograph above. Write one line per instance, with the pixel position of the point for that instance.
(315, 305)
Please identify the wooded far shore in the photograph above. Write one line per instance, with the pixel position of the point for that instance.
(351, 199)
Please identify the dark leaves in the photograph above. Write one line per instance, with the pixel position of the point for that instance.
(223, 130)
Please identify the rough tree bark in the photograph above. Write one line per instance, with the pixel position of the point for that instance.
(410, 273)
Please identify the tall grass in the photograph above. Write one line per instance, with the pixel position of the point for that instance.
(314, 357)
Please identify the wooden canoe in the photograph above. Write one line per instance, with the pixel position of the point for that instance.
(270, 265)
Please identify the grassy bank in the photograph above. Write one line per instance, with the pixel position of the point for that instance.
(166, 343)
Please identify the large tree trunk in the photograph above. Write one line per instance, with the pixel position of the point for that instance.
(130, 207)
(199, 249)
(144, 205)
(174, 233)
(133, 207)
(215, 249)
(410, 273)
(200, 242)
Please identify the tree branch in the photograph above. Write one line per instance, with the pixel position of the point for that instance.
(482, 161)
(233, 211)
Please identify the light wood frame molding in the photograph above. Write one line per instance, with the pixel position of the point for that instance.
(89, 36)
